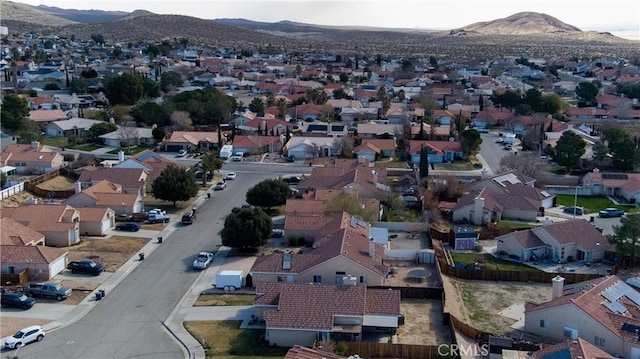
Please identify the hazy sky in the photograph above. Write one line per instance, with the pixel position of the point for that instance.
(439, 14)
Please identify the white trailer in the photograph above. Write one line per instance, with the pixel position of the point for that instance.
(226, 151)
(229, 280)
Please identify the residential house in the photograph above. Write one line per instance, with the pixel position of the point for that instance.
(105, 194)
(74, 126)
(191, 140)
(571, 349)
(319, 128)
(556, 242)
(302, 147)
(318, 202)
(132, 179)
(257, 144)
(129, 136)
(44, 117)
(6, 140)
(300, 352)
(96, 221)
(372, 149)
(60, 224)
(439, 151)
(341, 248)
(15, 234)
(31, 159)
(349, 174)
(620, 185)
(328, 312)
(603, 312)
(356, 114)
(152, 163)
(379, 130)
(265, 126)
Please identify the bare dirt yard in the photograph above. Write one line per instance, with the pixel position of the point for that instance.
(112, 253)
(60, 183)
(478, 303)
(423, 323)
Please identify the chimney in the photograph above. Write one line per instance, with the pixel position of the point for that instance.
(372, 247)
(35, 144)
(546, 221)
(375, 177)
(596, 170)
(557, 287)
(348, 190)
(120, 156)
(77, 186)
(478, 210)
(360, 159)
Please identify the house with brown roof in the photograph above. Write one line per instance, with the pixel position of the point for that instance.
(300, 352)
(571, 349)
(191, 140)
(621, 185)
(31, 159)
(379, 130)
(60, 224)
(251, 144)
(371, 149)
(603, 312)
(130, 174)
(96, 221)
(301, 313)
(44, 117)
(341, 251)
(105, 194)
(15, 234)
(349, 174)
(43, 263)
(265, 126)
(439, 151)
(556, 242)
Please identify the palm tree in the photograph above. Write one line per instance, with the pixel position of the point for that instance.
(210, 162)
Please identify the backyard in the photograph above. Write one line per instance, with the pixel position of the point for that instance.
(489, 262)
(591, 204)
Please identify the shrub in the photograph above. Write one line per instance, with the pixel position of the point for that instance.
(341, 348)
(301, 241)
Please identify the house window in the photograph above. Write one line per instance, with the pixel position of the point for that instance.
(599, 341)
(361, 279)
(317, 279)
(544, 323)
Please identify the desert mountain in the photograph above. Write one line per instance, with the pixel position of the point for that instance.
(82, 16)
(29, 14)
(522, 23)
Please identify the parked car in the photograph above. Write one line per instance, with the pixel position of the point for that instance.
(230, 176)
(85, 266)
(220, 186)
(202, 261)
(188, 218)
(48, 290)
(277, 233)
(291, 158)
(181, 153)
(246, 205)
(158, 218)
(238, 156)
(128, 226)
(611, 212)
(17, 300)
(500, 140)
(575, 210)
(24, 336)
(292, 180)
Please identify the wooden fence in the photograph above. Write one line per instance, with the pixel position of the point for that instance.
(387, 350)
(32, 186)
(415, 292)
(14, 278)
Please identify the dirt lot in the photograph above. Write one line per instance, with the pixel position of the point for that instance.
(112, 252)
(478, 303)
(60, 183)
(423, 323)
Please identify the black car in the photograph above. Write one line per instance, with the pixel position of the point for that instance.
(128, 226)
(85, 266)
(17, 300)
(292, 180)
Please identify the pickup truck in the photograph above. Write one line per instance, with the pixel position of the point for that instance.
(157, 218)
(85, 266)
(47, 290)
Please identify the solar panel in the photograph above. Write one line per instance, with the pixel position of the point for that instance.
(633, 295)
(615, 307)
(615, 176)
(630, 328)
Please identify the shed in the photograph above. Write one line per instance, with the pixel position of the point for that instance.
(463, 238)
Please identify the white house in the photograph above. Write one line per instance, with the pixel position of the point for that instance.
(136, 136)
(310, 147)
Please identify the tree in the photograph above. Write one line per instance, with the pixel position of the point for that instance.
(533, 98)
(622, 148)
(181, 121)
(344, 77)
(246, 228)
(210, 162)
(470, 141)
(600, 152)
(587, 92)
(256, 105)
(174, 184)
(14, 112)
(627, 235)
(89, 74)
(527, 163)
(150, 88)
(281, 104)
(158, 133)
(170, 80)
(569, 148)
(99, 129)
(352, 205)
(481, 103)
(150, 113)
(424, 161)
(97, 38)
(125, 89)
(339, 94)
(269, 193)
(128, 135)
(346, 146)
(78, 85)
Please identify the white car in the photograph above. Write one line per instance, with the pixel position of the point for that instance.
(181, 153)
(203, 260)
(24, 336)
(230, 176)
(238, 156)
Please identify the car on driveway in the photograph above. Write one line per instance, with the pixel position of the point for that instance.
(128, 226)
(202, 261)
(17, 300)
(220, 186)
(85, 266)
(575, 210)
(611, 212)
(47, 290)
(277, 233)
(181, 153)
(230, 176)
(292, 180)
(24, 336)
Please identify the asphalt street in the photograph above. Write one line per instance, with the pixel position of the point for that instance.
(128, 322)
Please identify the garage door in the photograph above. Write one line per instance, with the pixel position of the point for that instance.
(106, 225)
(58, 266)
(174, 148)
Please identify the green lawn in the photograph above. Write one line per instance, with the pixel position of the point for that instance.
(129, 150)
(591, 204)
(385, 163)
(455, 166)
(88, 147)
(490, 262)
(515, 225)
(55, 141)
(225, 339)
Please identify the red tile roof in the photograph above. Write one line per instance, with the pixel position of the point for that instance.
(565, 232)
(30, 254)
(13, 233)
(43, 217)
(578, 349)
(300, 352)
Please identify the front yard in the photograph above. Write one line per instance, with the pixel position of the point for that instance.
(592, 204)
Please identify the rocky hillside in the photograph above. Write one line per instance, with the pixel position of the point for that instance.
(28, 14)
(523, 23)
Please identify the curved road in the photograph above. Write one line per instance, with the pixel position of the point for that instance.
(128, 322)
